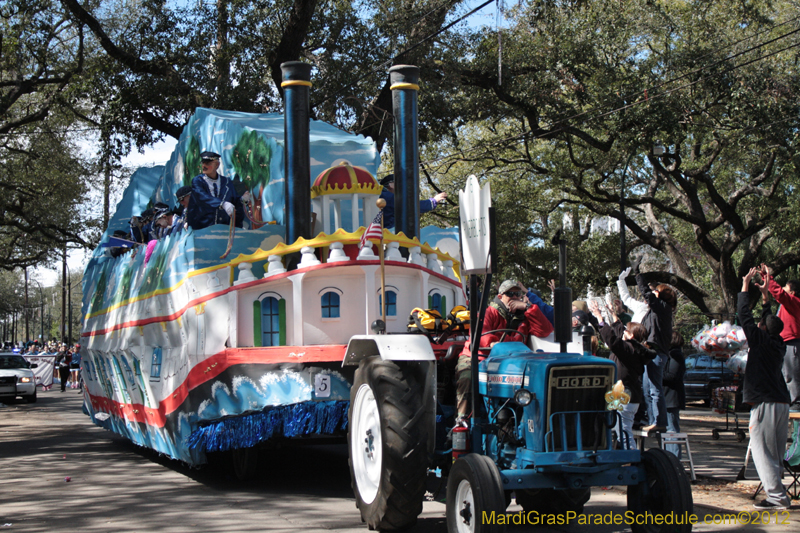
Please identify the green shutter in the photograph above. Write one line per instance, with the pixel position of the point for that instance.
(443, 309)
(257, 323)
(282, 321)
(430, 301)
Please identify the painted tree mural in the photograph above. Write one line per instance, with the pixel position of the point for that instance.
(251, 158)
(192, 166)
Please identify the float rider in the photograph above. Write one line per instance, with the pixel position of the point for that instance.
(214, 198)
(387, 193)
(509, 310)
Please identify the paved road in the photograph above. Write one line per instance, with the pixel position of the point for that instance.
(117, 487)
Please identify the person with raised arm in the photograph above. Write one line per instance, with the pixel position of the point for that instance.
(661, 303)
(630, 356)
(788, 297)
(765, 389)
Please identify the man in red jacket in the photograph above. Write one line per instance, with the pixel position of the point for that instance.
(789, 313)
(510, 310)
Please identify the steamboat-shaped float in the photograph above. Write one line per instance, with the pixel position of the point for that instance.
(186, 352)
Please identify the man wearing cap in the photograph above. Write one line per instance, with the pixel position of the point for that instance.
(388, 195)
(167, 223)
(509, 310)
(214, 198)
(152, 230)
(183, 195)
(140, 226)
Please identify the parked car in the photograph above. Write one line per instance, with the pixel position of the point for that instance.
(704, 373)
(16, 377)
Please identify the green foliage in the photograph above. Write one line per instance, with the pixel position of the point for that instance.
(588, 89)
(12, 290)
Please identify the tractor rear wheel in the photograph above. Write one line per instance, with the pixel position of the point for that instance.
(474, 493)
(665, 491)
(553, 501)
(391, 437)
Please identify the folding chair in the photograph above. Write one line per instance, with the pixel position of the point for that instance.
(791, 462)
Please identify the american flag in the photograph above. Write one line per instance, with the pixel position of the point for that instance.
(373, 231)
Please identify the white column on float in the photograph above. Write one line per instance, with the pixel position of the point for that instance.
(294, 336)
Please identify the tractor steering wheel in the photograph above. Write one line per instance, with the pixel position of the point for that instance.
(525, 336)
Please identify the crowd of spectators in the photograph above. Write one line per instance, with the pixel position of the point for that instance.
(67, 360)
(648, 353)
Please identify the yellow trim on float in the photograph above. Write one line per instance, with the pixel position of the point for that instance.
(412, 86)
(323, 239)
(295, 83)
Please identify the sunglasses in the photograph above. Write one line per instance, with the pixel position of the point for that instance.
(207, 161)
(514, 294)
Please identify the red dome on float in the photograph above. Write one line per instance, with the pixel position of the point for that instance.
(345, 179)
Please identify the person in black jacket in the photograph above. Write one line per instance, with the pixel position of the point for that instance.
(627, 352)
(674, 392)
(662, 302)
(766, 390)
(63, 359)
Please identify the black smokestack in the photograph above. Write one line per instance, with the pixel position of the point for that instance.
(404, 81)
(297, 162)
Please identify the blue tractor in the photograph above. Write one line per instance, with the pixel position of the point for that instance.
(541, 432)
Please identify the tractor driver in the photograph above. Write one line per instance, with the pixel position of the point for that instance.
(509, 310)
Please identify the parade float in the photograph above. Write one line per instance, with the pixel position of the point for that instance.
(223, 339)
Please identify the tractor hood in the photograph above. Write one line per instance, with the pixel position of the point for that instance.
(512, 365)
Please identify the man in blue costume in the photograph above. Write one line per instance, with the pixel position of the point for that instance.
(388, 194)
(214, 198)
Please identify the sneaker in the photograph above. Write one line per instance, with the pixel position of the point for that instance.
(766, 505)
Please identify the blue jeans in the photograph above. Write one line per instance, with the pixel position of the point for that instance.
(674, 426)
(654, 390)
(626, 421)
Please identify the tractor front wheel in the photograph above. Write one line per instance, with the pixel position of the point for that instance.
(665, 491)
(475, 498)
(392, 422)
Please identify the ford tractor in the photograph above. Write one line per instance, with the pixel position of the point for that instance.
(541, 432)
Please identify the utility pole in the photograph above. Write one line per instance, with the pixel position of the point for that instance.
(27, 311)
(69, 293)
(41, 312)
(63, 291)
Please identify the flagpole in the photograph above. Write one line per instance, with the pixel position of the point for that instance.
(381, 203)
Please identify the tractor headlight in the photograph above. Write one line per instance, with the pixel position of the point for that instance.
(523, 397)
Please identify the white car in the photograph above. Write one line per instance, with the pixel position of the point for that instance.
(16, 377)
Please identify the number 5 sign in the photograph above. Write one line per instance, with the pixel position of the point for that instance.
(322, 385)
(474, 205)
